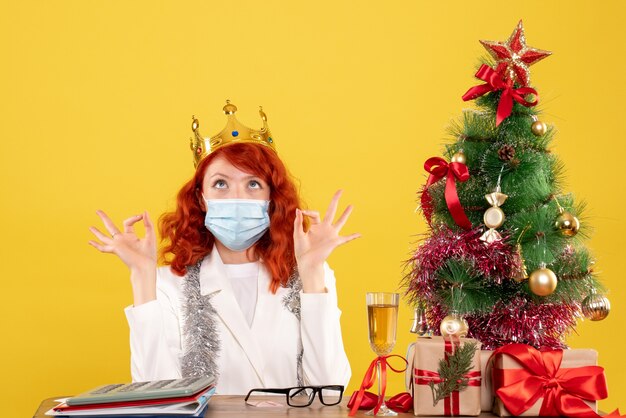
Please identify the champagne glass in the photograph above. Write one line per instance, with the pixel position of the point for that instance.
(382, 318)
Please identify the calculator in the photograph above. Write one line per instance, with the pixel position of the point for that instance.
(137, 391)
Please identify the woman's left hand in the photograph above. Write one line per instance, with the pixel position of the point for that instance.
(313, 247)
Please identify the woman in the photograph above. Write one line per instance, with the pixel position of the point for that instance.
(245, 293)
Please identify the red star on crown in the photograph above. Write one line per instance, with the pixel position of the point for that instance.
(514, 56)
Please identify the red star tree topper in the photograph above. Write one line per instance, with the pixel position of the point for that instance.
(514, 56)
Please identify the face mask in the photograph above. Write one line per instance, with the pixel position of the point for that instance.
(237, 223)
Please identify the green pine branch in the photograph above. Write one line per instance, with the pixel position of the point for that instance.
(466, 291)
(453, 371)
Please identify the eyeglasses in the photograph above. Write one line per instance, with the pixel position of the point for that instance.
(302, 396)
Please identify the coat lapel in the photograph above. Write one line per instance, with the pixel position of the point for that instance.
(213, 279)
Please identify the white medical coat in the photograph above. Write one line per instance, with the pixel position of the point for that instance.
(261, 355)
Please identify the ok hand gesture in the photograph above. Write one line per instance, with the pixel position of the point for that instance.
(314, 246)
(139, 254)
(135, 252)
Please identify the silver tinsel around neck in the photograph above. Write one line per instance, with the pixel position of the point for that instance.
(291, 301)
(201, 340)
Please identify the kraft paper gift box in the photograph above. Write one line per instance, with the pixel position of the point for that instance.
(487, 396)
(428, 352)
(408, 374)
(572, 359)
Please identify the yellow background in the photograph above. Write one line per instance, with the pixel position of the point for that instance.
(97, 99)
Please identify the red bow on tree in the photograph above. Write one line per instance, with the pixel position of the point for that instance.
(438, 169)
(494, 82)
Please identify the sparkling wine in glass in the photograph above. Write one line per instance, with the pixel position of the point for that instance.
(382, 319)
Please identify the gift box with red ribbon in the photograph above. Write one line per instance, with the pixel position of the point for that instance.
(427, 380)
(528, 382)
(487, 395)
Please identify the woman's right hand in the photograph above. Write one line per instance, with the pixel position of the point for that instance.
(139, 254)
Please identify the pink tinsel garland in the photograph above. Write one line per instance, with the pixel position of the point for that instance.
(518, 319)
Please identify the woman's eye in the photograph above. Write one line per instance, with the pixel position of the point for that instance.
(254, 184)
(220, 184)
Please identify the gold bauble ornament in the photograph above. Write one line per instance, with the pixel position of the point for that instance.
(459, 157)
(596, 307)
(542, 281)
(567, 224)
(539, 128)
(454, 325)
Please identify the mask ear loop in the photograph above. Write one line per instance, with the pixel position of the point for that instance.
(202, 201)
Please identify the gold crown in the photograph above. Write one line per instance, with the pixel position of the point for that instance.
(233, 133)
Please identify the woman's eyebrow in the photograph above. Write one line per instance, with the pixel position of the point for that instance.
(219, 174)
(251, 176)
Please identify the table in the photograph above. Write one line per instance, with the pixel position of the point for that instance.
(234, 406)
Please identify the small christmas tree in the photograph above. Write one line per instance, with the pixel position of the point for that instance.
(503, 259)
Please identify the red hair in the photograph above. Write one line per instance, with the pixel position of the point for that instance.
(188, 240)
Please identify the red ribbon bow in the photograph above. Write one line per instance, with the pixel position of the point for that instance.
(438, 169)
(368, 382)
(495, 82)
(563, 390)
(402, 402)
